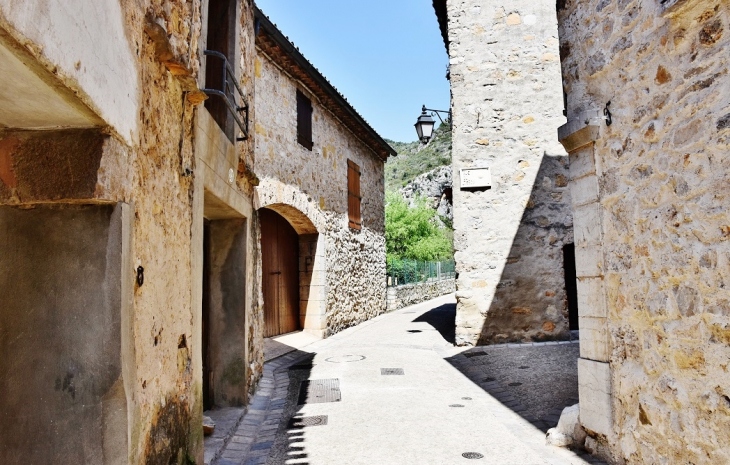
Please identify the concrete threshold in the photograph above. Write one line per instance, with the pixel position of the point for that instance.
(277, 346)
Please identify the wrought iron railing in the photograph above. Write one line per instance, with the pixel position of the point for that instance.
(227, 92)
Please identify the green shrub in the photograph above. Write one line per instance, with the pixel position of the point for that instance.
(411, 232)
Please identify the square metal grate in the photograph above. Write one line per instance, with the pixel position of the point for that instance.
(392, 371)
(301, 422)
(318, 391)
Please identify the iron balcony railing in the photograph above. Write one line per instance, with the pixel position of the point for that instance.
(228, 94)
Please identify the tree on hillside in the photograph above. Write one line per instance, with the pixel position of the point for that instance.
(411, 233)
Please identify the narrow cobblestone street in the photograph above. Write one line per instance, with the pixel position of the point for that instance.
(395, 390)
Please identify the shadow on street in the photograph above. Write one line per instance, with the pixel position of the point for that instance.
(443, 320)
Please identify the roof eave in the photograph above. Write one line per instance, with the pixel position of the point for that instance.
(439, 7)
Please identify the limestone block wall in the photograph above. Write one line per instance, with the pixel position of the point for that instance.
(655, 189)
(314, 183)
(507, 104)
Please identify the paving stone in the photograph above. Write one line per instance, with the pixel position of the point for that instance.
(231, 454)
(255, 461)
(234, 445)
(224, 461)
(262, 445)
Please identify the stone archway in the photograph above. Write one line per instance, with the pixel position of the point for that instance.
(308, 222)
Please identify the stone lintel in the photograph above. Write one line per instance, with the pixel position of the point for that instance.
(594, 387)
(580, 131)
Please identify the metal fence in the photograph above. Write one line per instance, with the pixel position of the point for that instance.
(413, 271)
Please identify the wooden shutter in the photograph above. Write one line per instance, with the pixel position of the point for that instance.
(304, 121)
(353, 195)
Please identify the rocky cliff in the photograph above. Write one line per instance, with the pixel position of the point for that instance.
(435, 187)
(424, 171)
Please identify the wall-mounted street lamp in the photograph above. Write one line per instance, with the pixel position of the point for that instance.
(425, 123)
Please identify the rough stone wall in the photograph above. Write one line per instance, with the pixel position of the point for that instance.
(411, 294)
(662, 190)
(317, 186)
(507, 104)
(143, 164)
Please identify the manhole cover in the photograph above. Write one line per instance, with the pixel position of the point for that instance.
(392, 371)
(346, 358)
(524, 367)
(413, 331)
(472, 455)
(466, 398)
(319, 420)
(456, 405)
(318, 391)
(489, 380)
(515, 384)
(474, 354)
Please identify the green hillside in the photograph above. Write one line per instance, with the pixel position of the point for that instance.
(411, 161)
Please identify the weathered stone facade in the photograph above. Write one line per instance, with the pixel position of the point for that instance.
(345, 267)
(651, 224)
(507, 105)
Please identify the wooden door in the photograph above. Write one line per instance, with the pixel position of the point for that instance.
(280, 274)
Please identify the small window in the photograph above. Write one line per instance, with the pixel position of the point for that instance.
(304, 121)
(353, 195)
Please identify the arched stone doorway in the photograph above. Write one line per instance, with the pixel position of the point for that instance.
(293, 271)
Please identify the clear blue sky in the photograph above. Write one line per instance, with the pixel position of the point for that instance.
(386, 57)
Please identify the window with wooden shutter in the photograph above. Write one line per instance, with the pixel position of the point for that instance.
(353, 195)
(304, 121)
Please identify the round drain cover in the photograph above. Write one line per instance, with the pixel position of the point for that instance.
(455, 405)
(472, 455)
(515, 384)
(346, 358)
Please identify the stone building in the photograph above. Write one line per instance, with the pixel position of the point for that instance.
(651, 223)
(327, 182)
(647, 131)
(131, 219)
(510, 238)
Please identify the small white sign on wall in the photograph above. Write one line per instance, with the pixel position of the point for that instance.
(475, 178)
